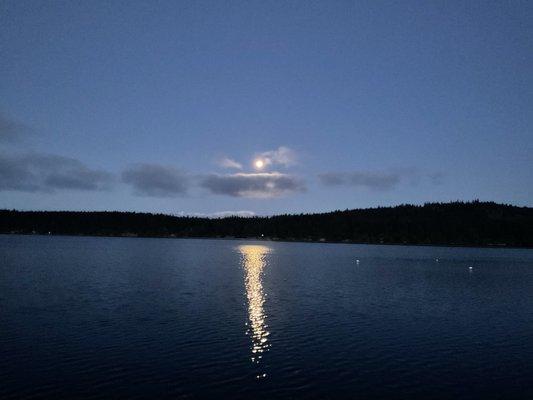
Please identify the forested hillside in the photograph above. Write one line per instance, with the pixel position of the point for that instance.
(457, 223)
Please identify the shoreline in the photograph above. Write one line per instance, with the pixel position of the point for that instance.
(264, 239)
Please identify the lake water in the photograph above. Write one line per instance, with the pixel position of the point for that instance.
(171, 318)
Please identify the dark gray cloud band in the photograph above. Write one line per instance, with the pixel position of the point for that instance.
(379, 180)
(258, 185)
(156, 180)
(369, 180)
(47, 173)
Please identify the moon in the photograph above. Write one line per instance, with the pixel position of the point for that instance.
(259, 164)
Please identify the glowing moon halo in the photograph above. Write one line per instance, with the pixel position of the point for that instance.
(259, 164)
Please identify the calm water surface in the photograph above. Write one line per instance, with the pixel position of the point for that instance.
(169, 318)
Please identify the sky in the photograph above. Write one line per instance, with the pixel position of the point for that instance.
(167, 106)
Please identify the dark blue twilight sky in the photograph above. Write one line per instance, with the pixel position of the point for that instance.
(166, 106)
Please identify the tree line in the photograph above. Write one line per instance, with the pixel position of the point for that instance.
(457, 223)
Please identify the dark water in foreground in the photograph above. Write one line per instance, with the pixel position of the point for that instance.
(158, 318)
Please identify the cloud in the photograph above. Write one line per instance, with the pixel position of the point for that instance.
(220, 214)
(229, 163)
(11, 131)
(437, 178)
(156, 180)
(379, 180)
(282, 156)
(225, 214)
(255, 185)
(46, 173)
(366, 179)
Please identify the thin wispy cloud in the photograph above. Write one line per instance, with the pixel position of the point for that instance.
(12, 131)
(229, 163)
(437, 178)
(47, 173)
(282, 156)
(156, 180)
(253, 185)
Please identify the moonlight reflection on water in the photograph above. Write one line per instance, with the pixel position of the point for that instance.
(254, 261)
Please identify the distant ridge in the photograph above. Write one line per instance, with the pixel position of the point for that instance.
(457, 223)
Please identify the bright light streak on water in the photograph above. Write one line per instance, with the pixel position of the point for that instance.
(254, 261)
